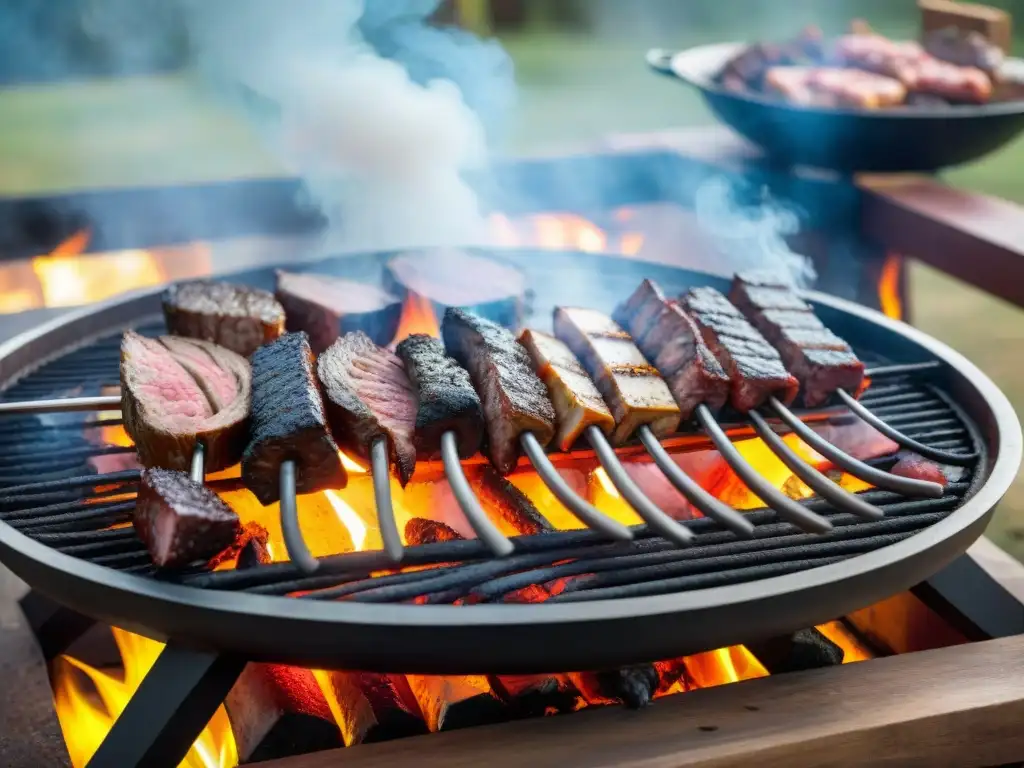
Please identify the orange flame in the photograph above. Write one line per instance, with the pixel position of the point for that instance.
(567, 231)
(89, 700)
(889, 287)
(417, 317)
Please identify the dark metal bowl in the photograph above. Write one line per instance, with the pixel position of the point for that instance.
(917, 138)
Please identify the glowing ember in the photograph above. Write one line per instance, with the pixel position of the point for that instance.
(889, 287)
(853, 649)
(89, 700)
(417, 317)
(354, 523)
(726, 665)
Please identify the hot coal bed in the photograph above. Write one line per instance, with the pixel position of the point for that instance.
(504, 653)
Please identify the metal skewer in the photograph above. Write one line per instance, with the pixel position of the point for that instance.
(485, 530)
(943, 457)
(581, 508)
(62, 404)
(788, 509)
(380, 470)
(298, 552)
(815, 480)
(631, 492)
(197, 470)
(708, 505)
(907, 486)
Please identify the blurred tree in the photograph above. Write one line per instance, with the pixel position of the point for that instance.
(474, 16)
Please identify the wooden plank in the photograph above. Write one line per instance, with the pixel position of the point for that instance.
(954, 706)
(1000, 566)
(975, 238)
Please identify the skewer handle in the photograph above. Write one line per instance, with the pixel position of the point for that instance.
(298, 552)
(486, 530)
(197, 470)
(381, 471)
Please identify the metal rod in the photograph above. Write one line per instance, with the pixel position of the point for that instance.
(631, 492)
(586, 512)
(907, 486)
(486, 531)
(958, 459)
(815, 480)
(62, 404)
(788, 509)
(381, 472)
(708, 505)
(197, 470)
(901, 370)
(298, 552)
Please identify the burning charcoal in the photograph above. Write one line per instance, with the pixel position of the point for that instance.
(445, 398)
(181, 521)
(371, 707)
(327, 307)
(806, 649)
(450, 702)
(419, 530)
(454, 278)
(632, 388)
(514, 399)
(234, 316)
(914, 466)
(511, 505)
(367, 395)
(576, 400)
(633, 686)
(179, 392)
(535, 695)
(288, 423)
(248, 550)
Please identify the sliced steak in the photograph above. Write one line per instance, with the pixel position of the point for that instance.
(367, 395)
(236, 317)
(577, 402)
(514, 400)
(178, 392)
(754, 367)
(288, 423)
(637, 313)
(181, 521)
(821, 361)
(631, 387)
(327, 307)
(445, 398)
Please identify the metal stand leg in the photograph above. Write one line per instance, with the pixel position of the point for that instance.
(172, 706)
(54, 626)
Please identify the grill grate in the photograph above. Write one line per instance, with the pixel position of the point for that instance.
(69, 508)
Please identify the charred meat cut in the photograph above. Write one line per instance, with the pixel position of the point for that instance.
(288, 423)
(755, 369)
(327, 307)
(420, 530)
(919, 468)
(367, 395)
(445, 398)
(834, 87)
(178, 392)
(181, 521)
(577, 402)
(510, 504)
(236, 317)
(821, 361)
(637, 313)
(631, 387)
(514, 400)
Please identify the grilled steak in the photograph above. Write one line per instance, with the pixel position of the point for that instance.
(631, 387)
(577, 402)
(181, 521)
(178, 392)
(234, 316)
(754, 367)
(637, 313)
(821, 361)
(514, 400)
(919, 468)
(445, 398)
(420, 530)
(288, 423)
(327, 307)
(368, 395)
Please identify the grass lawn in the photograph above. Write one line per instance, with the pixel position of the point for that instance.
(164, 130)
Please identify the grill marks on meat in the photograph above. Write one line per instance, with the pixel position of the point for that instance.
(178, 392)
(288, 423)
(754, 367)
(514, 400)
(236, 317)
(667, 336)
(631, 387)
(577, 401)
(326, 307)
(820, 360)
(368, 395)
(445, 398)
(181, 521)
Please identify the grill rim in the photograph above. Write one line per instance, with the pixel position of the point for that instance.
(508, 638)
